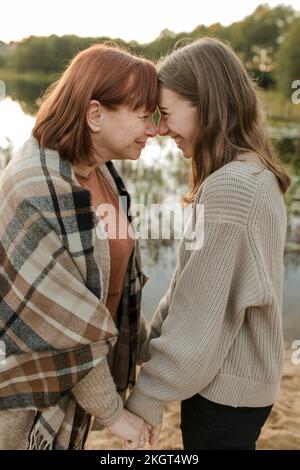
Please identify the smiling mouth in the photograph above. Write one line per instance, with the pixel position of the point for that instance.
(141, 144)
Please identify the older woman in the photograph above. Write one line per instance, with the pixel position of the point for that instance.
(70, 289)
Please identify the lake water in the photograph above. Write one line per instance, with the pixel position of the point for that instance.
(160, 176)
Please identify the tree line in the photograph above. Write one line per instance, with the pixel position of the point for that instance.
(267, 41)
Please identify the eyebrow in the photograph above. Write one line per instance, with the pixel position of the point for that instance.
(162, 107)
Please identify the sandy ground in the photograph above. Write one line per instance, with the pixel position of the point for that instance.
(281, 432)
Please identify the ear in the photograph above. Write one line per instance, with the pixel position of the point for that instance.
(93, 115)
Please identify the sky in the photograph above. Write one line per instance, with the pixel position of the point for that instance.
(138, 20)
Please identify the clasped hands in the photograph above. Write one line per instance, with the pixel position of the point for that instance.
(134, 431)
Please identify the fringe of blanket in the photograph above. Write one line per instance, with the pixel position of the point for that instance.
(39, 442)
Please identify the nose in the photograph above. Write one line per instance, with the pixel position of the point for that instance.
(151, 131)
(163, 128)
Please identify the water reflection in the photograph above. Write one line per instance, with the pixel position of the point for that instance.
(26, 92)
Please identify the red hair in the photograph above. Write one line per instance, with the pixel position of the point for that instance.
(104, 73)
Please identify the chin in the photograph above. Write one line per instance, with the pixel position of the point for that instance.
(187, 155)
(134, 157)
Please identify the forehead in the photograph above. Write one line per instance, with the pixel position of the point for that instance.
(168, 98)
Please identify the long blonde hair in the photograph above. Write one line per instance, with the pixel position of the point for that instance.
(230, 122)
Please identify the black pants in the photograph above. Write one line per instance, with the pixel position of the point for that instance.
(206, 425)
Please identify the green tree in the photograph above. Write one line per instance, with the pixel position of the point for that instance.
(52, 53)
(288, 65)
(258, 37)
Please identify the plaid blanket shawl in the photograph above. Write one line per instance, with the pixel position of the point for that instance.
(54, 324)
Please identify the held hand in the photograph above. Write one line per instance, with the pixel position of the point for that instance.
(154, 433)
(132, 429)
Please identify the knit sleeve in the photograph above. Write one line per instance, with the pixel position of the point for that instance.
(96, 393)
(207, 309)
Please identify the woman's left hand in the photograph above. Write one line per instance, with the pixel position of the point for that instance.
(131, 429)
(154, 433)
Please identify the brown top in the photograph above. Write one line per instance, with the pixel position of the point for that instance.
(117, 227)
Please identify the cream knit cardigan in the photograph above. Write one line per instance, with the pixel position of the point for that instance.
(218, 330)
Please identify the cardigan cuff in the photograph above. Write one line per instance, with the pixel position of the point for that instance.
(112, 417)
(148, 408)
(96, 393)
